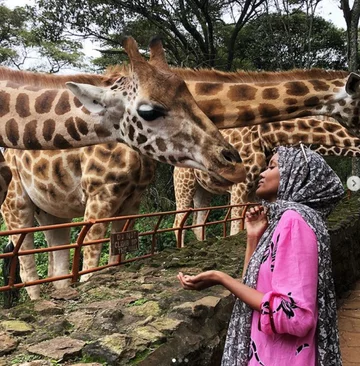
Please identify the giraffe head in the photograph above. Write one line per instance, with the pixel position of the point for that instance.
(152, 110)
(347, 109)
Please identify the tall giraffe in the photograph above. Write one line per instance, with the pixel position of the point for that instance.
(255, 144)
(150, 109)
(231, 93)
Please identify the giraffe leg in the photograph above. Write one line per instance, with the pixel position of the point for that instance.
(184, 186)
(202, 198)
(18, 212)
(58, 260)
(239, 195)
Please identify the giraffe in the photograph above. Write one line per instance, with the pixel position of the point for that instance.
(150, 109)
(289, 93)
(255, 144)
(98, 181)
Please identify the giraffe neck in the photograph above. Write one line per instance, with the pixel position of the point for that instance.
(231, 105)
(326, 137)
(34, 118)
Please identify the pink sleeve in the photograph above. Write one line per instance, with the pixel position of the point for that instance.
(291, 306)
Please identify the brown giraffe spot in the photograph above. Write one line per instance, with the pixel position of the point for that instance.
(41, 169)
(328, 96)
(292, 109)
(245, 114)
(288, 127)
(22, 105)
(12, 131)
(270, 93)
(172, 160)
(141, 139)
(61, 143)
(116, 126)
(311, 102)
(213, 108)
(347, 142)
(332, 127)
(334, 140)
(290, 101)
(30, 139)
(85, 111)
(63, 105)
(338, 83)
(77, 102)
(131, 134)
(74, 163)
(4, 103)
(319, 85)
(99, 169)
(101, 131)
(103, 154)
(268, 110)
(149, 148)
(48, 129)
(61, 175)
(71, 129)
(161, 144)
(81, 126)
(208, 88)
(162, 159)
(342, 102)
(297, 88)
(241, 92)
(43, 102)
(139, 125)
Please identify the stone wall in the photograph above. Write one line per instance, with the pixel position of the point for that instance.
(138, 314)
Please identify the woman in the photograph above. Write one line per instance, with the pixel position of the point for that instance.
(285, 312)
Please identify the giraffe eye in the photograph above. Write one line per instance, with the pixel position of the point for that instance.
(150, 113)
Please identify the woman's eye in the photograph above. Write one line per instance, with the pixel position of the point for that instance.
(150, 114)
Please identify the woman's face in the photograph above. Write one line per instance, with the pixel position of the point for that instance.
(269, 181)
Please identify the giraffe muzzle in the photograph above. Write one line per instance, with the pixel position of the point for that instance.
(235, 171)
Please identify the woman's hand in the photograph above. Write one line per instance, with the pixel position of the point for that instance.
(256, 221)
(199, 282)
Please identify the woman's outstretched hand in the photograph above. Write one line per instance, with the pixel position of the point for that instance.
(199, 282)
(256, 221)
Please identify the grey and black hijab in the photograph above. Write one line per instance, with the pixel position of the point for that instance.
(310, 187)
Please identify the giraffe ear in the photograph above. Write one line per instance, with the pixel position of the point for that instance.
(353, 84)
(90, 96)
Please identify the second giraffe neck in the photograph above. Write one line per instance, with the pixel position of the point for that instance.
(231, 105)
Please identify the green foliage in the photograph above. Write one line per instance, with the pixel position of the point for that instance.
(283, 42)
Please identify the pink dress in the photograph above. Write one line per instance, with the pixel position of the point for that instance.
(283, 332)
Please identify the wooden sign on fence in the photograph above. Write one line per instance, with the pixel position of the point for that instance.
(125, 242)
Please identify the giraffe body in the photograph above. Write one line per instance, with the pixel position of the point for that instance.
(55, 186)
(255, 144)
(230, 100)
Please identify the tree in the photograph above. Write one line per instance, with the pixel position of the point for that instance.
(281, 42)
(21, 41)
(191, 30)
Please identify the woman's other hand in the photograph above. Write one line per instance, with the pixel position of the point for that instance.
(199, 282)
(256, 221)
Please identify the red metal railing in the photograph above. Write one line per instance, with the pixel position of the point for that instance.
(86, 226)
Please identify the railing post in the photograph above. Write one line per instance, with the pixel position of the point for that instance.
(181, 227)
(77, 252)
(14, 260)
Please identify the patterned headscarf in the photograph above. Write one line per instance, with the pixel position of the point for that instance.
(311, 188)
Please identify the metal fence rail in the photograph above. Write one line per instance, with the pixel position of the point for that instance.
(76, 272)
